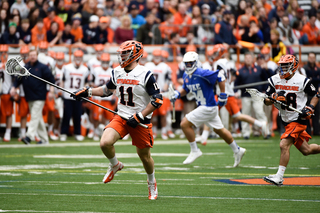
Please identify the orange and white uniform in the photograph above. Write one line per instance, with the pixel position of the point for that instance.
(6, 107)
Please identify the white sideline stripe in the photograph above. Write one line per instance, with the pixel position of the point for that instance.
(168, 196)
(119, 143)
(1, 210)
(122, 155)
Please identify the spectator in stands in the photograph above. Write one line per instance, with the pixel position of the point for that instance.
(116, 19)
(223, 31)
(189, 43)
(35, 93)
(38, 33)
(318, 19)
(250, 73)
(167, 27)
(102, 33)
(31, 4)
(273, 24)
(74, 9)
(278, 11)
(52, 34)
(182, 18)
(124, 32)
(212, 5)
(292, 9)
(313, 73)
(4, 21)
(109, 7)
(264, 24)
(25, 32)
(298, 34)
(136, 19)
(311, 30)
(205, 32)
(172, 46)
(15, 17)
(110, 31)
(149, 33)
(76, 29)
(67, 37)
(277, 46)
(4, 4)
(165, 10)
(11, 36)
(314, 6)
(61, 10)
(89, 9)
(52, 17)
(241, 9)
(150, 5)
(266, 6)
(286, 33)
(33, 17)
(90, 31)
(100, 10)
(22, 7)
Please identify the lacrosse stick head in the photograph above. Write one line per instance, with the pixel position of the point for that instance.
(256, 95)
(14, 67)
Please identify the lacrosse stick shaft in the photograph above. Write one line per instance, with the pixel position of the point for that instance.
(173, 120)
(94, 103)
(285, 105)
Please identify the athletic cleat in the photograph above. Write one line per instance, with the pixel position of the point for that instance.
(264, 130)
(274, 179)
(238, 156)
(96, 138)
(26, 140)
(42, 142)
(171, 134)
(53, 136)
(63, 137)
(164, 137)
(192, 156)
(90, 134)
(79, 137)
(153, 190)
(200, 139)
(112, 170)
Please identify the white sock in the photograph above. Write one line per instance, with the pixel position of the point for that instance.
(50, 128)
(257, 123)
(8, 131)
(205, 134)
(163, 130)
(281, 171)
(114, 161)
(151, 177)
(193, 146)
(56, 131)
(23, 132)
(234, 146)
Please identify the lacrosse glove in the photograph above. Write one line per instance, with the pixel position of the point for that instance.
(84, 92)
(222, 100)
(307, 112)
(279, 96)
(135, 119)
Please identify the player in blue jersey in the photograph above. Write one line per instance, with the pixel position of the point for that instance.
(201, 83)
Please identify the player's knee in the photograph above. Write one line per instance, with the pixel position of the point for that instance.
(184, 123)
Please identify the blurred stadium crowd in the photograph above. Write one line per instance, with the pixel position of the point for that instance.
(178, 26)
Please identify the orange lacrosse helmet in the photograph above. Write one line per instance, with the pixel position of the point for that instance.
(191, 48)
(24, 49)
(4, 48)
(78, 53)
(217, 52)
(59, 56)
(265, 50)
(105, 57)
(164, 54)
(288, 64)
(145, 54)
(78, 57)
(129, 51)
(43, 45)
(156, 52)
(98, 47)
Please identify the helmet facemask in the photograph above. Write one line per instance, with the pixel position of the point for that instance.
(124, 56)
(191, 66)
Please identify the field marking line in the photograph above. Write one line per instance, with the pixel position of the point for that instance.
(2, 210)
(168, 196)
(119, 143)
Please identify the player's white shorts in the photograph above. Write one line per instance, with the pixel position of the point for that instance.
(205, 115)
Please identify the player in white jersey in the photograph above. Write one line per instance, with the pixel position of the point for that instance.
(6, 107)
(162, 73)
(95, 61)
(43, 48)
(101, 75)
(292, 88)
(54, 132)
(138, 96)
(75, 76)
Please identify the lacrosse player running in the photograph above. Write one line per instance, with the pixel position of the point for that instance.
(201, 83)
(138, 96)
(293, 89)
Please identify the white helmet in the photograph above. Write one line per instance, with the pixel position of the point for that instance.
(190, 60)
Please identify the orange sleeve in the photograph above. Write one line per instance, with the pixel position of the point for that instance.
(34, 36)
(312, 38)
(46, 24)
(61, 24)
(110, 35)
(45, 34)
(217, 28)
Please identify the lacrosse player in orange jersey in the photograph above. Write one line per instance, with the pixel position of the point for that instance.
(6, 107)
(292, 88)
(138, 96)
(162, 73)
(101, 75)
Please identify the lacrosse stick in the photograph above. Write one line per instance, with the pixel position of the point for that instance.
(171, 91)
(258, 96)
(13, 67)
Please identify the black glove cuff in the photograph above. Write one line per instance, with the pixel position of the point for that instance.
(311, 106)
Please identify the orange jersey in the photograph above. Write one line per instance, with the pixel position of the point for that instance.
(179, 19)
(47, 23)
(38, 35)
(77, 33)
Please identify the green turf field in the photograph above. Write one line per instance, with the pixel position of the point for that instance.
(67, 177)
